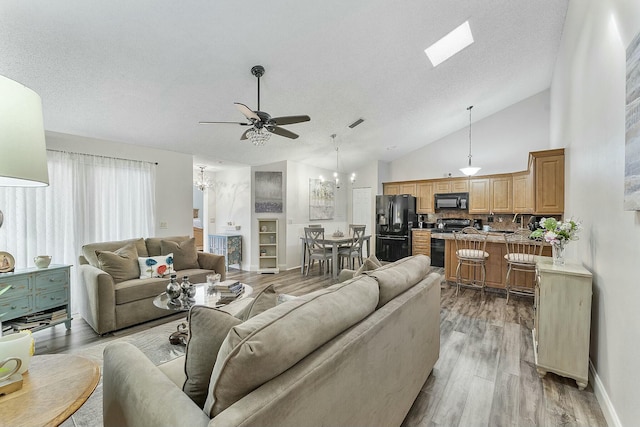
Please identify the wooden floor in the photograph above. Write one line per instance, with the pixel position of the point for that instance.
(485, 375)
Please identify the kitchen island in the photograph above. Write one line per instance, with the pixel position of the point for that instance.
(496, 263)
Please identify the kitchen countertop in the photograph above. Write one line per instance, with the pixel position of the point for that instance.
(492, 236)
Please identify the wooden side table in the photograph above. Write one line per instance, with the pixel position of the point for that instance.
(54, 387)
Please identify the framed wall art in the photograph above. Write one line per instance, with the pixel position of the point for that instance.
(268, 192)
(321, 199)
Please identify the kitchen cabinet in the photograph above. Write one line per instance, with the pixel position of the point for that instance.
(424, 191)
(454, 185)
(36, 293)
(390, 189)
(562, 320)
(523, 194)
(421, 242)
(479, 195)
(408, 188)
(501, 194)
(549, 181)
(268, 246)
(496, 266)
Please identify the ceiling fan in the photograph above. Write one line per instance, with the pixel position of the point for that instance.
(262, 124)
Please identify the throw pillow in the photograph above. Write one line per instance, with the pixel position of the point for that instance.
(155, 266)
(265, 300)
(397, 277)
(369, 264)
(185, 255)
(121, 264)
(276, 339)
(208, 327)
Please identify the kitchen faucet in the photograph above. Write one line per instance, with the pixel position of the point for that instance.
(515, 217)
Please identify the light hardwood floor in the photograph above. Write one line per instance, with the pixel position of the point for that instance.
(485, 375)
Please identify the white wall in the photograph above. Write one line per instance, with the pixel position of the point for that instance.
(174, 197)
(500, 143)
(588, 118)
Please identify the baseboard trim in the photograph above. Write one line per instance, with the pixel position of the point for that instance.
(608, 410)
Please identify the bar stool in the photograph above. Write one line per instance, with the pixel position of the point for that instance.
(521, 256)
(470, 251)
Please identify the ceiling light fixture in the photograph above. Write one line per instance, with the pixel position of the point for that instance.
(450, 44)
(258, 136)
(469, 170)
(202, 183)
(335, 174)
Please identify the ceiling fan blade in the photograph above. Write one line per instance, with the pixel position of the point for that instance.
(244, 134)
(289, 120)
(248, 112)
(282, 132)
(232, 123)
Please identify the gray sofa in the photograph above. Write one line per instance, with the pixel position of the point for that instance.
(109, 304)
(369, 374)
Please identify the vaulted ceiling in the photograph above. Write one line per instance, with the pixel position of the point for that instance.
(147, 71)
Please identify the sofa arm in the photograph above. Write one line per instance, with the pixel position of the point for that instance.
(213, 262)
(137, 393)
(98, 301)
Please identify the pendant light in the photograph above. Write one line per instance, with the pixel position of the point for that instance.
(470, 170)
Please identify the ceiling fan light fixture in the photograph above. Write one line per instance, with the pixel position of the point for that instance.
(258, 137)
(470, 170)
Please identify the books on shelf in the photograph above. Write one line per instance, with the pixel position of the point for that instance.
(34, 320)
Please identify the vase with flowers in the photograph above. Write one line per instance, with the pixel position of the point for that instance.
(558, 234)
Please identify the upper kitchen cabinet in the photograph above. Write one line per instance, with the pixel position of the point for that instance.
(549, 181)
(523, 194)
(479, 195)
(399, 188)
(390, 189)
(501, 194)
(454, 185)
(425, 197)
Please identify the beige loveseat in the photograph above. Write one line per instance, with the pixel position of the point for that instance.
(109, 303)
(354, 354)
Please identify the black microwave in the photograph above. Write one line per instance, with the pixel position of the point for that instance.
(451, 201)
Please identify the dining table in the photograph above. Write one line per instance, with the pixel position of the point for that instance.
(335, 242)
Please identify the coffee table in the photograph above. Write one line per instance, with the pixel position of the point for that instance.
(205, 295)
(53, 388)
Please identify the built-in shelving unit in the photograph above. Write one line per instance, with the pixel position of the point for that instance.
(268, 246)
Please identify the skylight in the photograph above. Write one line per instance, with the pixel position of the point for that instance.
(450, 44)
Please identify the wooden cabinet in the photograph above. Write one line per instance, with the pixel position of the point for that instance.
(421, 242)
(454, 185)
(562, 320)
(408, 188)
(36, 290)
(229, 246)
(549, 181)
(424, 191)
(479, 195)
(268, 246)
(523, 195)
(390, 189)
(501, 195)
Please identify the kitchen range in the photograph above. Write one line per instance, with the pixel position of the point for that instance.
(448, 225)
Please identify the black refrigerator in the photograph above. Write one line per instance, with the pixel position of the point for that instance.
(395, 217)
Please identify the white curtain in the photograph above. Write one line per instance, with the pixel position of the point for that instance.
(89, 199)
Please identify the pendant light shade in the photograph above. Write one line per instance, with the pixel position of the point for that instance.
(470, 170)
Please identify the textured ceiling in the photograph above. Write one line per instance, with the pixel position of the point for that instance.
(146, 71)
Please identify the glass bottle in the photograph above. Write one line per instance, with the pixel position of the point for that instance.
(173, 288)
(188, 290)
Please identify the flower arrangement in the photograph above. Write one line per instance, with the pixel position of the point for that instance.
(558, 232)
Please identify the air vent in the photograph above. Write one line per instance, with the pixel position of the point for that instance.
(356, 123)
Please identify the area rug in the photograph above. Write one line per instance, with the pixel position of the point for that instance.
(153, 342)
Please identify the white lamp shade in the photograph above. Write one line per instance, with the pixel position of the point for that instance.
(23, 151)
(469, 171)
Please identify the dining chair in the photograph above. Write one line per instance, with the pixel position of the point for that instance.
(521, 256)
(316, 250)
(470, 251)
(354, 250)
